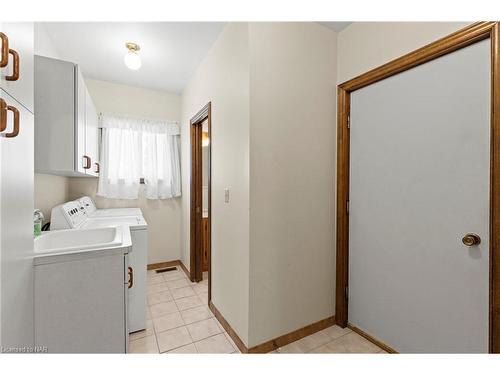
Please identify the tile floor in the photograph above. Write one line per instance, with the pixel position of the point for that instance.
(179, 321)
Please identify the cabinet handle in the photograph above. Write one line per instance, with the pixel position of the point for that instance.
(15, 131)
(130, 277)
(86, 162)
(15, 68)
(3, 115)
(4, 58)
(97, 168)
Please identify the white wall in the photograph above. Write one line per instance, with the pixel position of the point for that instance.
(222, 78)
(366, 45)
(163, 216)
(50, 190)
(292, 165)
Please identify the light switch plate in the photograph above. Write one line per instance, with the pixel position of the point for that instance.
(226, 195)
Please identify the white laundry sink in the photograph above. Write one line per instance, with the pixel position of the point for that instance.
(75, 240)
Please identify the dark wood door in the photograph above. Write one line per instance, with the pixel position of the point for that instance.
(205, 243)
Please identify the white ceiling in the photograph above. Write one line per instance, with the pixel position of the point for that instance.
(337, 26)
(170, 51)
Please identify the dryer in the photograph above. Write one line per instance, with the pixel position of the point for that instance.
(71, 215)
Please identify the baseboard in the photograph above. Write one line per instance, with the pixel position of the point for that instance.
(172, 263)
(372, 339)
(230, 331)
(277, 342)
(186, 271)
(290, 337)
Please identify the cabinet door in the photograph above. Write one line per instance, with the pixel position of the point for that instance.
(91, 135)
(16, 221)
(80, 305)
(20, 36)
(82, 163)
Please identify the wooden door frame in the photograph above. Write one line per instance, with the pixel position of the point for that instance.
(195, 266)
(460, 39)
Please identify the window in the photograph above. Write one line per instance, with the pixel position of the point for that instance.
(132, 149)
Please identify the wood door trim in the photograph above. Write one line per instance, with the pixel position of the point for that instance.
(195, 264)
(460, 39)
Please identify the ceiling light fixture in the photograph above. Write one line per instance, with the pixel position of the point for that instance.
(132, 58)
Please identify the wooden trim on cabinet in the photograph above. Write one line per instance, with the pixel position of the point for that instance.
(3, 115)
(15, 66)
(372, 339)
(4, 52)
(460, 39)
(16, 125)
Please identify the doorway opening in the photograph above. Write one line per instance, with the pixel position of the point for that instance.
(200, 223)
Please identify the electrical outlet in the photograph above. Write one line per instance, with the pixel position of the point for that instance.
(226, 195)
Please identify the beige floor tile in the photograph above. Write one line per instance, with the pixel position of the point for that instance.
(350, 343)
(214, 344)
(162, 309)
(174, 275)
(204, 298)
(144, 345)
(155, 279)
(155, 288)
(186, 349)
(173, 338)
(220, 325)
(168, 321)
(200, 288)
(335, 331)
(188, 302)
(307, 343)
(203, 329)
(154, 298)
(180, 283)
(144, 333)
(231, 341)
(196, 314)
(183, 292)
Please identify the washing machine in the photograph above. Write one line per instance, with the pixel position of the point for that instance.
(71, 215)
(92, 211)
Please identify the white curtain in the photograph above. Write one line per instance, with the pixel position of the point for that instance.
(134, 148)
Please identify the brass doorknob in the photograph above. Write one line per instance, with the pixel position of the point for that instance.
(471, 239)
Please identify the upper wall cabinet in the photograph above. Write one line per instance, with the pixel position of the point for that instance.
(66, 131)
(16, 61)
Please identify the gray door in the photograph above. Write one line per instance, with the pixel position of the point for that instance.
(419, 181)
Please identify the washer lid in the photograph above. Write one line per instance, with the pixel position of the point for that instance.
(134, 222)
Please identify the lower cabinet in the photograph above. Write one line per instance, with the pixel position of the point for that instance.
(81, 304)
